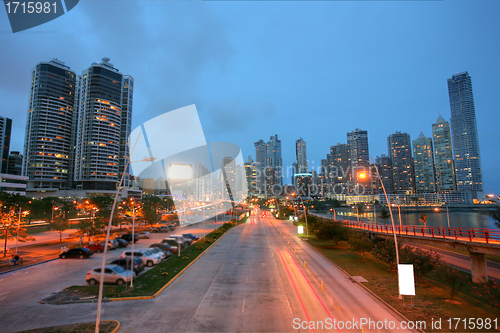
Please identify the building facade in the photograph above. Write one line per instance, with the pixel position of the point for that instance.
(465, 136)
(274, 164)
(126, 126)
(5, 132)
(15, 163)
(403, 175)
(48, 126)
(359, 160)
(423, 161)
(443, 155)
(99, 121)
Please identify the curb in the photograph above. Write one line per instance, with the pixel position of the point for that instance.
(169, 282)
(117, 326)
(27, 266)
(363, 287)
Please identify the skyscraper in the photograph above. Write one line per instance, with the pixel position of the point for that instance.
(444, 165)
(359, 160)
(274, 172)
(384, 166)
(98, 127)
(15, 163)
(48, 125)
(260, 165)
(301, 155)
(423, 160)
(338, 163)
(403, 175)
(5, 131)
(464, 135)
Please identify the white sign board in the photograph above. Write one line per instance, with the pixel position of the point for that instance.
(296, 218)
(291, 218)
(406, 279)
(301, 229)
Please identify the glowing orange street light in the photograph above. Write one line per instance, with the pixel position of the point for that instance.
(362, 175)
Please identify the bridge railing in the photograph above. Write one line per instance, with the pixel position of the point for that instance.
(470, 234)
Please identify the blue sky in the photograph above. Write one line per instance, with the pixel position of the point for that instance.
(257, 68)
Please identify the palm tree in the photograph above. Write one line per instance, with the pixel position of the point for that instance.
(423, 219)
(384, 213)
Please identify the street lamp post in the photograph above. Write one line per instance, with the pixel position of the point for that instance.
(103, 263)
(392, 220)
(132, 263)
(18, 223)
(399, 209)
(448, 216)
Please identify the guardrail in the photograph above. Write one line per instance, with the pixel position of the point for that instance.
(470, 234)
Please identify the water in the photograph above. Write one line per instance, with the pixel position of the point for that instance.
(469, 219)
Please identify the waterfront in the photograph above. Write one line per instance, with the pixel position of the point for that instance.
(469, 219)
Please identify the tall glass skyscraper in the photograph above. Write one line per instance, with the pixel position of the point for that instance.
(301, 154)
(359, 160)
(464, 135)
(445, 168)
(423, 159)
(403, 175)
(5, 132)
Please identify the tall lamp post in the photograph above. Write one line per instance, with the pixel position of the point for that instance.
(103, 263)
(133, 241)
(392, 220)
(334, 214)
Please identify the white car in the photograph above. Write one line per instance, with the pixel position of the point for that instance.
(158, 251)
(112, 274)
(148, 258)
(143, 235)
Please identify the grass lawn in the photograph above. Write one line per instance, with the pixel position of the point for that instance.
(431, 301)
(104, 327)
(36, 230)
(153, 280)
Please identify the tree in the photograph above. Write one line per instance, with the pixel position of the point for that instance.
(384, 213)
(423, 219)
(361, 208)
(11, 221)
(360, 242)
(60, 225)
(150, 207)
(334, 231)
(453, 280)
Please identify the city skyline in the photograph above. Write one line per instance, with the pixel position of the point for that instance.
(328, 81)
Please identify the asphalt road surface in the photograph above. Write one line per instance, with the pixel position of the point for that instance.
(253, 280)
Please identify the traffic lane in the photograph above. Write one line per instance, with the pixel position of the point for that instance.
(230, 289)
(34, 283)
(349, 301)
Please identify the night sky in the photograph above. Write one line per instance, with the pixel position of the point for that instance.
(255, 68)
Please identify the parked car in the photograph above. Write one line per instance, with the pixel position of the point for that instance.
(190, 236)
(112, 245)
(112, 274)
(163, 228)
(148, 258)
(164, 247)
(125, 263)
(128, 238)
(122, 242)
(143, 234)
(96, 247)
(186, 241)
(79, 252)
(159, 252)
(173, 243)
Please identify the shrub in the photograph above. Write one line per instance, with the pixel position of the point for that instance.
(489, 291)
(360, 242)
(386, 251)
(423, 261)
(335, 231)
(453, 280)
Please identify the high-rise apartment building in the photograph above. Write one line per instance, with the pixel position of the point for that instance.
(403, 175)
(251, 174)
(423, 160)
(99, 122)
(15, 163)
(274, 165)
(48, 125)
(5, 132)
(384, 166)
(444, 165)
(260, 165)
(338, 163)
(464, 135)
(359, 160)
(301, 155)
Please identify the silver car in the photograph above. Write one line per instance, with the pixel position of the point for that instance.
(158, 251)
(148, 258)
(112, 274)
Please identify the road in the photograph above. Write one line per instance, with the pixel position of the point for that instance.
(253, 280)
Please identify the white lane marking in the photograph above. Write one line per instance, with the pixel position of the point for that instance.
(243, 309)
